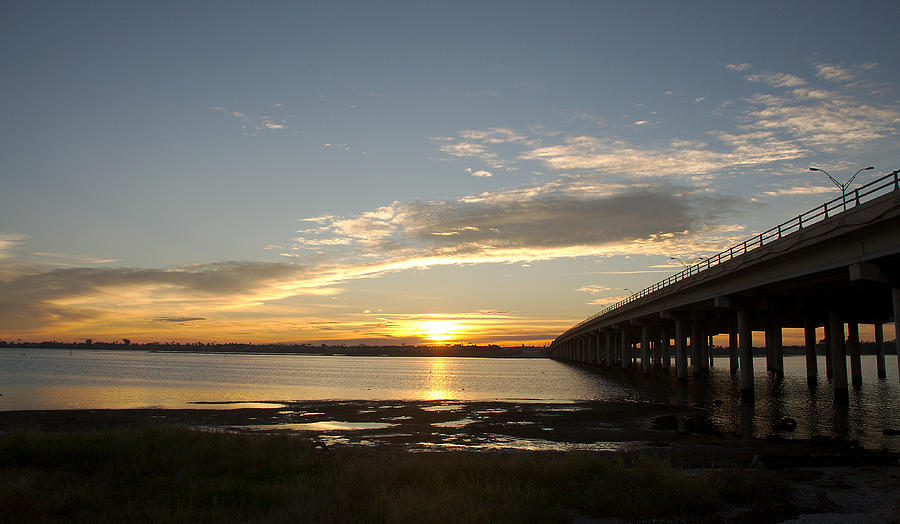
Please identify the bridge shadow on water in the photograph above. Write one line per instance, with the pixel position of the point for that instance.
(783, 407)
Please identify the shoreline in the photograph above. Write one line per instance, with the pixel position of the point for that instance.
(820, 479)
(682, 433)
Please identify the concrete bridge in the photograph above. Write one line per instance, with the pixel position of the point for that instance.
(834, 265)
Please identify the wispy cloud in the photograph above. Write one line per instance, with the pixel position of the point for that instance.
(8, 241)
(252, 125)
(777, 79)
(594, 289)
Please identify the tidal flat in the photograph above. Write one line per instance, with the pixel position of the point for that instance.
(421, 461)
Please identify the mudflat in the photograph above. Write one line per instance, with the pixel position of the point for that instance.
(830, 480)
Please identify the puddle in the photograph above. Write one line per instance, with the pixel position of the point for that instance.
(310, 413)
(454, 423)
(326, 425)
(404, 417)
(238, 404)
(441, 407)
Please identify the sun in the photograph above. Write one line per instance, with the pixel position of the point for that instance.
(439, 330)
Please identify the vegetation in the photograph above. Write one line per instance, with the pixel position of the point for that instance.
(181, 475)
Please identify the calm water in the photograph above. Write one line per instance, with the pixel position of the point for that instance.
(60, 379)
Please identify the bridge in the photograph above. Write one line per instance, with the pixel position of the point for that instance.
(836, 264)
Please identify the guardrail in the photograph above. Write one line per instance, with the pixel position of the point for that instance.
(881, 186)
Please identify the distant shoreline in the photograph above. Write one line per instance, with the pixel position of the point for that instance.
(489, 351)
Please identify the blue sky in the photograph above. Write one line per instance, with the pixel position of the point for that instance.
(350, 171)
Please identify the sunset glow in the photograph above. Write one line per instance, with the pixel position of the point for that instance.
(313, 174)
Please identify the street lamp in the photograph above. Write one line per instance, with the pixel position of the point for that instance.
(843, 187)
(628, 290)
(688, 263)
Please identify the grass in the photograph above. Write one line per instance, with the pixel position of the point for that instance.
(170, 475)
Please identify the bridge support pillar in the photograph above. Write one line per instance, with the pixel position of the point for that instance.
(745, 334)
(770, 352)
(838, 358)
(710, 352)
(855, 364)
(895, 292)
(733, 353)
(609, 352)
(812, 365)
(778, 353)
(695, 347)
(626, 349)
(879, 350)
(829, 368)
(665, 350)
(645, 349)
(680, 354)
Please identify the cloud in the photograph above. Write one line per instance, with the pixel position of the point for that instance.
(835, 73)
(479, 173)
(679, 157)
(605, 301)
(8, 241)
(594, 289)
(253, 125)
(801, 190)
(739, 67)
(531, 223)
(178, 320)
(777, 79)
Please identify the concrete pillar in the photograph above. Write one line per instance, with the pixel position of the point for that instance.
(645, 349)
(711, 351)
(855, 364)
(665, 350)
(745, 339)
(879, 350)
(626, 349)
(812, 364)
(680, 354)
(770, 349)
(704, 351)
(695, 347)
(895, 293)
(829, 369)
(838, 359)
(733, 353)
(778, 351)
(607, 348)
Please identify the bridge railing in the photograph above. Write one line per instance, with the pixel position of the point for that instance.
(876, 188)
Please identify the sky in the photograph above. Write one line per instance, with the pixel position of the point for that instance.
(410, 172)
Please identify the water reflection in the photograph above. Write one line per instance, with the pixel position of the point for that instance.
(787, 407)
(438, 386)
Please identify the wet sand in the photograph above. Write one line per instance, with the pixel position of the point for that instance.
(681, 433)
(833, 480)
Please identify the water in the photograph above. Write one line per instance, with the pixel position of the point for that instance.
(61, 379)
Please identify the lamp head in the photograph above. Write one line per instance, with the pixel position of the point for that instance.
(868, 168)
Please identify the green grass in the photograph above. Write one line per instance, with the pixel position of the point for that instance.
(180, 475)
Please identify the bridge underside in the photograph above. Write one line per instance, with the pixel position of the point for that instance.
(844, 269)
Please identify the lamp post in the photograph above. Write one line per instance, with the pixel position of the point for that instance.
(688, 263)
(843, 187)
